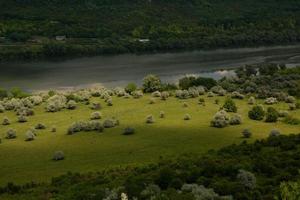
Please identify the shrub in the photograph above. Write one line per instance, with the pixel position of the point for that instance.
(5, 121)
(56, 103)
(109, 123)
(257, 113)
(151, 83)
(220, 119)
(11, 134)
(53, 129)
(229, 105)
(290, 99)
(156, 94)
(274, 133)
(185, 105)
(58, 155)
(283, 113)
(251, 101)
(164, 95)
(150, 119)
(40, 126)
(162, 114)
(96, 115)
(131, 87)
(210, 94)
(237, 95)
(71, 105)
(201, 101)
(79, 126)
(128, 131)
(152, 101)
(246, 179)
(236, 119)
(217, 101)
(292, 106)
(2, 109)
(36, 100)
(271, 101)
(22, 119)
(25, 111)
(29, 136)
(182, 94)
(271, 115)
(137, 94)
(96, 106)
(246, 133)
(187, 117)
(109, 102)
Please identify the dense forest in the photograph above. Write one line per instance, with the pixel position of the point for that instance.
(29, 28)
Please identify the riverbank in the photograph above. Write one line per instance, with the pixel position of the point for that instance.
(118, 70)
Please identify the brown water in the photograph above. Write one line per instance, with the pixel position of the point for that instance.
(121, 69)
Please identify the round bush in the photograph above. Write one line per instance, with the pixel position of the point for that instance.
(5, 121)
(131, 87)
(150, 119)
(53, 129)
(128, 131)
(292, 106)
(187, 117)
(156, 94)
(11, 134)
(236, 119)
(229, 105)
(271, 101)
(71, 105)
(271, 115)
(185, 105)
(251, 101)
(58, 155)
(109, 123)
(290, 99)
(22, 119)
(2, 109)
(96, 106)
(137, 94)
(40, 126)
(164, 95)
(96, 115)
(283, 113)
(109, 102)
(210, 94)
(237, 95)
(246, 133)
(217, 101)
(152, 101)
(247, 179)
(274, 133)
(257, 113)
(220, 119)
(162, 114)
(25, 111)
(151, 83)
(29, 136)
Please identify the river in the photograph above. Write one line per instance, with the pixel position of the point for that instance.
(120, 69)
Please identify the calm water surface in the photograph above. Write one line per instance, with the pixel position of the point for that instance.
(118, 70)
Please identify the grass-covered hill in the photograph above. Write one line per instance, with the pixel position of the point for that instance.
(99, 128)
(101, 26)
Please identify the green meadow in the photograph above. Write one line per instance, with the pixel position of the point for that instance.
(21, 161)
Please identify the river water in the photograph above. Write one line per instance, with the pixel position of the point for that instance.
(120, 69)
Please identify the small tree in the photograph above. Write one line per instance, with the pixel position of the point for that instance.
(150, 119)
(6, 121)
(151, 83)
(271, 115)
(29, 136)
(229, 105)
(247, 179)
(11, 134)
(58, 155)
(256, 113)
(131, 87)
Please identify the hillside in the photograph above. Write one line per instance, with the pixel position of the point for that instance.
(95, 27)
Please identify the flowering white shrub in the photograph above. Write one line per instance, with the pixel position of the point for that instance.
(220, 119)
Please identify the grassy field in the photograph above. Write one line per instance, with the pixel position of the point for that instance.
(25, 161)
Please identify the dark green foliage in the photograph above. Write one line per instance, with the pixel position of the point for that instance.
(131, 87)
(105, 27)
(291, 120)
(256, 113)
(191, 81)
(3, 93)
(229, 105)
(272, 115)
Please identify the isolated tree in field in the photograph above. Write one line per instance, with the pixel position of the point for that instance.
(257, 113)
(272, 115)
(151, 83)
(229, 105)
